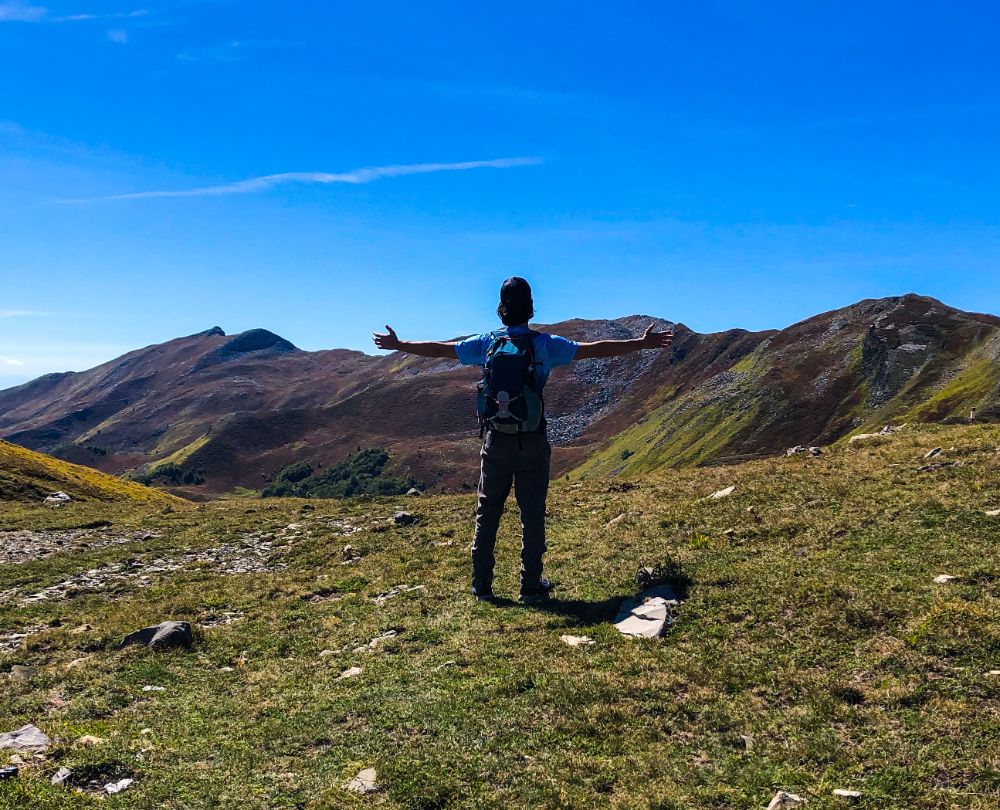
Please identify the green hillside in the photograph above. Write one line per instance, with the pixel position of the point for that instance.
(818, 382)
(815, 650)
(29, 476)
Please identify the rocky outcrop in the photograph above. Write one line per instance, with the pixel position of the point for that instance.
(160, 636)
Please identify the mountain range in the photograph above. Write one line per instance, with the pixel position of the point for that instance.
(237, 409)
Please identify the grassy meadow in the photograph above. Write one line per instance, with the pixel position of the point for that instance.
(814, 650)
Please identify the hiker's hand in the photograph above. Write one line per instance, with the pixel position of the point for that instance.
(388, 341)
(657, 340)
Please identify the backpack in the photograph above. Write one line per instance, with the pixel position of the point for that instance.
(508, 398)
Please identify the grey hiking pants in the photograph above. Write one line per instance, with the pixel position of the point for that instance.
(523, 461)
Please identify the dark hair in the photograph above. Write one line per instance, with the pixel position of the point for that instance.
(516, 306)
(516, 312)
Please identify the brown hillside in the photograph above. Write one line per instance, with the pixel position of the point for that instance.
(238, 408)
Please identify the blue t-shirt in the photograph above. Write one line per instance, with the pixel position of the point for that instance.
(550, 351)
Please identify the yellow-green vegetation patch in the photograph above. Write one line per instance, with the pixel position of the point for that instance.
(181, 455)
(27, 475)
(83, 438)
(958, 396)
(814, 651)
(682, 432)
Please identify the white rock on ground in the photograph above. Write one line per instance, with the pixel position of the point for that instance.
(944, 579)
(993, 513)
(364, 782)
(60, 776)
(576, 641)
(349, 673)
(616, 520)
(783, 800)
(119, 786)
(722, 493)
(863, 436)
(374, 643)
(847, 794)
(933, 452)
(382, 598)
(26, 738)
(645, 615)
(57, 499)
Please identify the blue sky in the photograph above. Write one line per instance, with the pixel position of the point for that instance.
(720, 163)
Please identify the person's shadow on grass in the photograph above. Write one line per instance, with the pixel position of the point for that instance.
(577, 611)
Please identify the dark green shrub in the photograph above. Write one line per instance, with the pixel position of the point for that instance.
(359, 474)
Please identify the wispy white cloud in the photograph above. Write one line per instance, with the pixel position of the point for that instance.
(20, 11)
(355, 176)
(10, 361)
(17, 11)
(226, 52)
(233, 50)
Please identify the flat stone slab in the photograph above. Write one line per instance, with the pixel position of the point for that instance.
(647, 614)
(26, 738)
(364, 782)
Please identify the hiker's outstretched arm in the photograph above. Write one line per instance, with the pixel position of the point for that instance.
(425, 348)
(613, 348)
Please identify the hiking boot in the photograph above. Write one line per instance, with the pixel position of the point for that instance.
(483, 593)
(539, 593)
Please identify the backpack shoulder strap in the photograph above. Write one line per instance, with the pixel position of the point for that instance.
(497, 338)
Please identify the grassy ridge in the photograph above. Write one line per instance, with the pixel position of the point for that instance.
(813, 626)
(25, 474)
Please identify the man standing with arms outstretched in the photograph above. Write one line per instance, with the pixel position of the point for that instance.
(516, 364)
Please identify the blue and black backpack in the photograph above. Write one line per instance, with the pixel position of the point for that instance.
(509, 399)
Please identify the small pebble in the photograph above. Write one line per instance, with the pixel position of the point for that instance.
(60, 776)
(847, 794)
